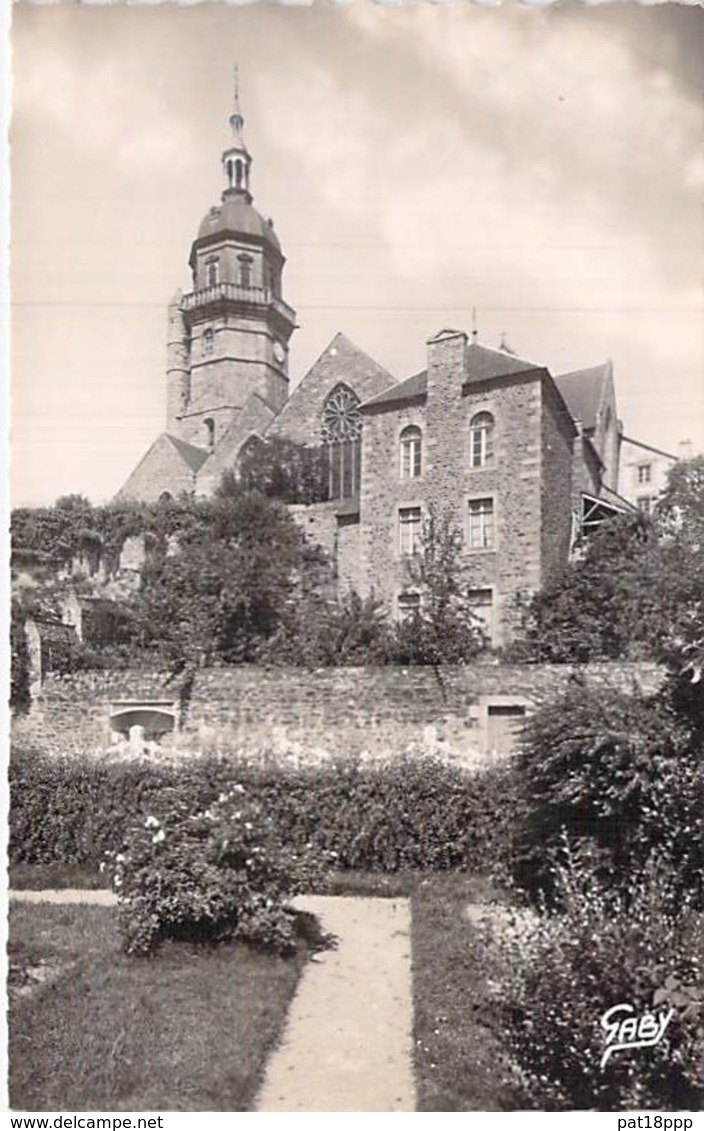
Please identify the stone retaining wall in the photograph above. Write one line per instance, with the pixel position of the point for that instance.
(311, 714)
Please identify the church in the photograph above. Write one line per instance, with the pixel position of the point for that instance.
(523, 460)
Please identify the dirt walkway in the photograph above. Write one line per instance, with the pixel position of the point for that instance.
(99, 897)
(348, 1041)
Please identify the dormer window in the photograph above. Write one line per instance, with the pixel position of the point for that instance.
(245, 270)
(212, 273)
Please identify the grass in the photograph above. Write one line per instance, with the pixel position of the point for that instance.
(457, 1042)
(40, 877)
(189, 1030)
(459, 1059)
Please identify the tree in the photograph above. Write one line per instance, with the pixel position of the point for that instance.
(224, 589)
(444, 630)
(637, 591)
(280, 469)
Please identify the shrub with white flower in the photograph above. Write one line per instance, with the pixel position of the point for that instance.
(209, 875)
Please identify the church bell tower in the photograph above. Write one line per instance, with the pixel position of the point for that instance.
(228, 338)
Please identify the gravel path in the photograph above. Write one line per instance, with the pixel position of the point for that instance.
(348, 1041)
(99, 897)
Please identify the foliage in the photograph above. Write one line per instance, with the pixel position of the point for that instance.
(326, 632)
(558, 974)
(224, 587)
(20, 698)
(281, 469)
(210, 875)
(636, 585)
(606, 605)
(404, 813)
(444, 630)
(618, 770)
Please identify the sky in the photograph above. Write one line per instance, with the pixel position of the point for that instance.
(544, 166)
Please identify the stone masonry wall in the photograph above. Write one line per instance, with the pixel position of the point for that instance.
(310, 715)
(558, 435)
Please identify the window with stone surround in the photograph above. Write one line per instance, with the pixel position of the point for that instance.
(408, 605)
(212, 272)
(481, 602)
(409, 530)
(341, 432)
(245, 270)
(644, 473)
(480, 526)
(411, 445)
(481, 439)
(208, 339)
(209, 426)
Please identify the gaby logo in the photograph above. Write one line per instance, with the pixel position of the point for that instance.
(625, 1030)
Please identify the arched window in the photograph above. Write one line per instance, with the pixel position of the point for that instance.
(341, 432)
(481, 439)
(229, 173)
(212, 273)
(238, 174)
(165, 497)
(209, 426)
(411, 446)
(245, 270)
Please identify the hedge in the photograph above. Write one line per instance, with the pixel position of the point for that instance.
(402, 814)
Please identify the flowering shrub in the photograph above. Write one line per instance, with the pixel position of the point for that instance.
(214, 874)
(558, 974)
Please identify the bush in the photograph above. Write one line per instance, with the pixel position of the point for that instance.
(408, 813)
(616, 770)
(559, 974)
(210, 875)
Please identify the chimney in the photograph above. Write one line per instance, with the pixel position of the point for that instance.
(447, 361)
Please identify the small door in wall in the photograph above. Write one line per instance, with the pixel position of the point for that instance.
(503, 725)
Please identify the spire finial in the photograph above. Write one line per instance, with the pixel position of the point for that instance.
(475, 332)
(236, 161)
(236, 103)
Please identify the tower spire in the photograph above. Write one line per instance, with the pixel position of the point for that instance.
(236, 161)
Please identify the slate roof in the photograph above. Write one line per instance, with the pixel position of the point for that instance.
(194, 457)
(483, 363)
(582, 390)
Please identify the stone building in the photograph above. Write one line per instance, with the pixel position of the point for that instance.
(522, 460)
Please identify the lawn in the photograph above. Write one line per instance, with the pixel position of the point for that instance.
(189, 1030)
(459, 1058)
(118, 1033)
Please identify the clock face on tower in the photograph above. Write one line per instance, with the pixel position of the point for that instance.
(279, 352)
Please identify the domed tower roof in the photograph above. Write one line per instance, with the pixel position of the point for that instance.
(236, 216)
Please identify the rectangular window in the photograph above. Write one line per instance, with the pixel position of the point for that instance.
(644, 473)
(409, 530)
(481, 524)
(408, 606)
(481, 602)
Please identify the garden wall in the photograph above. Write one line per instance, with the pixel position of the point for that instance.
(467, 714)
